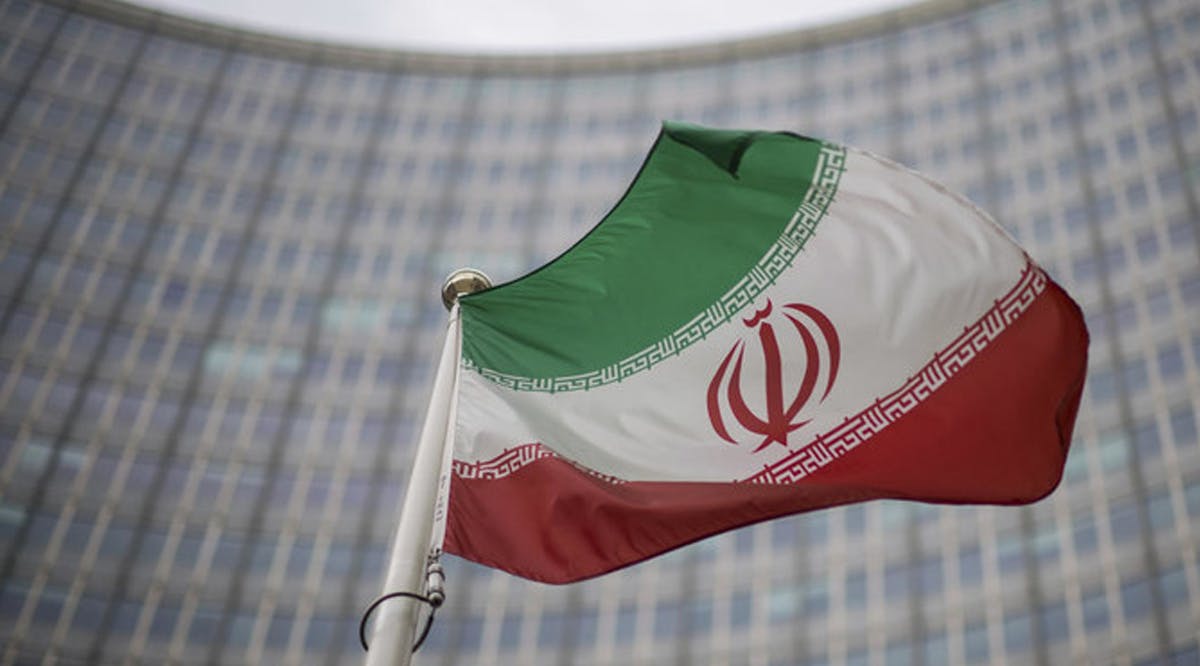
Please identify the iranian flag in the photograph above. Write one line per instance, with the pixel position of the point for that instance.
(765, 324)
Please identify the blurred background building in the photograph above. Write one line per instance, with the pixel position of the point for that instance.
(221, 252)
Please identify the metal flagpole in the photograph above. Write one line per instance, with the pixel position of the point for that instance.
(395, 623)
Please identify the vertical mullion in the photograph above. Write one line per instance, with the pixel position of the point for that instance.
(381, 468)
(27, 80)
(191, 390)
(1116, 356)
(42, 484)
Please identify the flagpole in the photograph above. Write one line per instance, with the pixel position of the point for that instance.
(395, 622)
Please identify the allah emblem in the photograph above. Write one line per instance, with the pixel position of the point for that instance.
(806, 335)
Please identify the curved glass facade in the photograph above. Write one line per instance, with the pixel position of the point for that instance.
(219, 261)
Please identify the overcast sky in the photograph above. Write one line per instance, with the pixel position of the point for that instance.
(524, 25)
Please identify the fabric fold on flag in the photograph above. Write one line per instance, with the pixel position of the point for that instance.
(764, 324)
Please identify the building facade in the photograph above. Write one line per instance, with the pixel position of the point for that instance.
(220, 253)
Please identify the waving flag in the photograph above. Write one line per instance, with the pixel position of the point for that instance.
(765, 324)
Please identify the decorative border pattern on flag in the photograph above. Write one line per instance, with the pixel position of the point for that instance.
(514, 459)
(831, 164)
(854, 430)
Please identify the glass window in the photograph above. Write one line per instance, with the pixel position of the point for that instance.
(51, 333)
(1084, 268)
(1158, 302)
(896, 582)
(380, 264)
(302, 310)
(1189, 288)
(935, 650)
(782, 603)
(586, 624)
(1127, 144)
(1158, 132)
(238, 304)
(1158, 506)
(856, 518)
(1076, 217)
(666, 619)
(975, 642)
(320, 632)
(1182, 232)
(318, 366)
(301, 555)
(1043, 228)
(1102, 383)
(1009, 553)
(352, 368)
(551, 629)
(1172, 585)
(1170, 182)
(740, 609)
(856, 589)
(165, 617)
(970, 565)
(1095, 610)
(783, 533)
(744, 539)
(1018, 633)
(277, 631)
(388, 371)
(1183, 425)
(510, 631)
(204, 626)
(242, 625)
(816, 527)
(226, 555)
(318, 261)
(1053, 621)
(699, 617)
(930, 574)
(899, 652)
(1146, 439)
(1136, 600)
(1126, 525)
(1135, 375)
(268, 307)
(816, 597)
(626, 624)
(348, 264)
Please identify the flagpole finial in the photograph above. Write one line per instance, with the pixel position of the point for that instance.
(461, 282)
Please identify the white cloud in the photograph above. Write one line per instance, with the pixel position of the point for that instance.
(524, 25)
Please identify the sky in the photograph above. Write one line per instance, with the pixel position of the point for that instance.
(523, 26)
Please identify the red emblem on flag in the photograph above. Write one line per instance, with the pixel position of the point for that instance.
(810, 334)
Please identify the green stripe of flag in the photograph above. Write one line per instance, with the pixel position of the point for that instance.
(706, 206)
